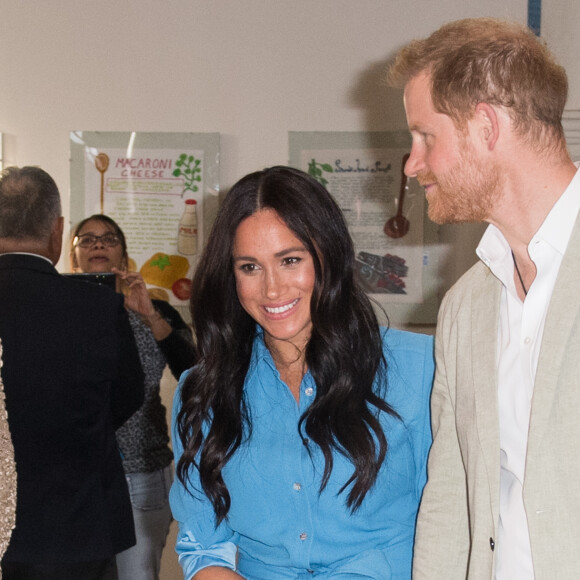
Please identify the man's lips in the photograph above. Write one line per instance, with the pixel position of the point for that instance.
(426, 180)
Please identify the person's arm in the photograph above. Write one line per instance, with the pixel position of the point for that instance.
(128, 393)
(442, 535)
(217, 573)
(178, 347)
(137, 299)
(170, 331)
(409, 385)
(201, 546)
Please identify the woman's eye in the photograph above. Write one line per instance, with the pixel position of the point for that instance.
(292, 260)
(248, 268)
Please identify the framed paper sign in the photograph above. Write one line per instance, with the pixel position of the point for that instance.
(161, 188)
(395, 243)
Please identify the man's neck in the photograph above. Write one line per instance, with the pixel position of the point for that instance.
(9, 246)
(530, 192)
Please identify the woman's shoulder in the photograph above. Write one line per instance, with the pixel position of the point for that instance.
(410, 367)
(402, 340)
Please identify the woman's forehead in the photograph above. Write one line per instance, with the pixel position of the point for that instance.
(96, 226)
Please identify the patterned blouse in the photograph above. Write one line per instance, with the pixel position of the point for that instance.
(144, 438)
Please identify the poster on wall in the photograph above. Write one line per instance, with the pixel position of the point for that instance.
(385, 214)
(163, 191)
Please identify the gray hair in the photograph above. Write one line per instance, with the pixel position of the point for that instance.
(29, 203)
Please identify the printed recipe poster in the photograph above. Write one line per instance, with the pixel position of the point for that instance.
(385, 214)
(384, 217)
(162, 190)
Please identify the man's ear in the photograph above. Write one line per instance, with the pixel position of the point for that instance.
(55, 240)
(488, 124)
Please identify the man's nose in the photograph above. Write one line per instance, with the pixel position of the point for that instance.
(415, 163)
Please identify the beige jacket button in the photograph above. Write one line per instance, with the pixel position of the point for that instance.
(491, 544)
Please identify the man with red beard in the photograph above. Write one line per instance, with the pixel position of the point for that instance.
(484, 101)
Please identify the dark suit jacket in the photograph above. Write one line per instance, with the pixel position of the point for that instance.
(72, 375)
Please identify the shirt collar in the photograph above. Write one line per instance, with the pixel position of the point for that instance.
(260, 351)
(261, 355)
(27, 254)
(559, 223)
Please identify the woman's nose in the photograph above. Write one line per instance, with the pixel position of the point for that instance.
(273, 284)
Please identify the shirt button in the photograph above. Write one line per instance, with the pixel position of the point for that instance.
(308, 391)
(527, 340)
(306, 441)
(296, 486)
(303, 536)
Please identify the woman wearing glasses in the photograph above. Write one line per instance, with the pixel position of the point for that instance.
(163, 338)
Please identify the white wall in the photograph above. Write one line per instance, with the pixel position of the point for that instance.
(560, 19)
(251, 70)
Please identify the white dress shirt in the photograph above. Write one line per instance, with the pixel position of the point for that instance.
(520, 330)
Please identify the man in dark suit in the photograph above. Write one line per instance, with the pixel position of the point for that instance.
(72, 375)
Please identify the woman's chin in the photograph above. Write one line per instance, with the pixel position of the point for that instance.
(98, 267)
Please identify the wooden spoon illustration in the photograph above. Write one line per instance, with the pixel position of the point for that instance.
(102, 164)
(398, 225)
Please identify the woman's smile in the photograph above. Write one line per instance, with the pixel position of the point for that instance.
(274, 277)
(281, 309)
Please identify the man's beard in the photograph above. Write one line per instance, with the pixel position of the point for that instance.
(466, 193)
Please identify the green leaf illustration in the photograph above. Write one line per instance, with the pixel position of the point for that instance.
(315, 170)
(162, 262)
(189, 168)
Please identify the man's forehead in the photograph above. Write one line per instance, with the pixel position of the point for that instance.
(417, 97)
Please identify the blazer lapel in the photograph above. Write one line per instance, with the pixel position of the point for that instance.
(560, 320)
(485, 316)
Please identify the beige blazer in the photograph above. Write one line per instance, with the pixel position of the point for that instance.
(458, 517)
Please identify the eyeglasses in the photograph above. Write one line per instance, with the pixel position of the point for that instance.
(88, 240)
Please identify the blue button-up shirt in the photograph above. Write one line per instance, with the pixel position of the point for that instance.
(279, 523)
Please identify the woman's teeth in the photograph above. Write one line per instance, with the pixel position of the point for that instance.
(281, 309)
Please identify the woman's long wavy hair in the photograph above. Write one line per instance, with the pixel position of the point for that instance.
(344, 353)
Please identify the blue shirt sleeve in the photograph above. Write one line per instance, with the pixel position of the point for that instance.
(199, 543)
(411, 364)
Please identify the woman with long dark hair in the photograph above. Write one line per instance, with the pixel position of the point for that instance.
(301, 434)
